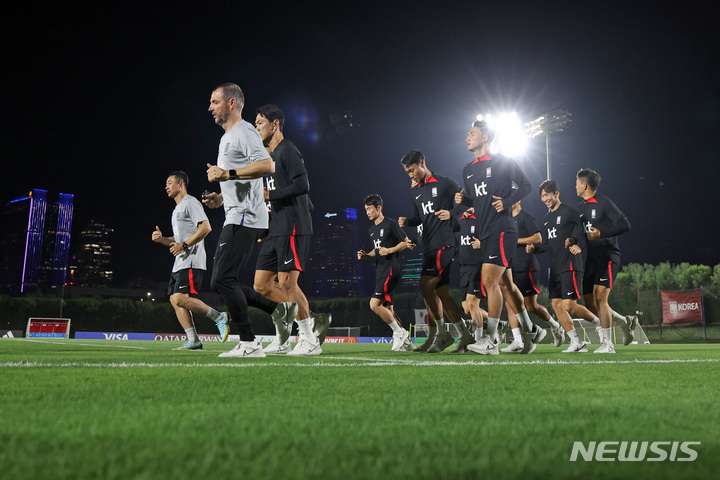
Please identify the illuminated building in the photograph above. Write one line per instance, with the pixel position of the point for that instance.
(92, 266)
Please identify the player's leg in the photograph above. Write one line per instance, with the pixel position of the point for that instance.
(565, 320)
(184, 317)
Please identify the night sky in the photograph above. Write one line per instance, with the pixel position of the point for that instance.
(104, 101)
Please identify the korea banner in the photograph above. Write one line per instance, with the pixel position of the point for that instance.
(682, 306)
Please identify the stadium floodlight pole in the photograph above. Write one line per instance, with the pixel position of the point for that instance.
(553, 122)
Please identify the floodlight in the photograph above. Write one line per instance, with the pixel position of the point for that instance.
(510, 138)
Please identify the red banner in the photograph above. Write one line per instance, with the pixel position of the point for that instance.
(682, 306)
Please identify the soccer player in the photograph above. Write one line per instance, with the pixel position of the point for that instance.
(489, 181)
(432, 206)
(564, 240)
(241, 164)
(470, 261)
(603, 222)
(388, 241)
(285, 251)
(190, 227)
(525, 274)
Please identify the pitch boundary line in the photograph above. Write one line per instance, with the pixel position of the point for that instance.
(82, 344)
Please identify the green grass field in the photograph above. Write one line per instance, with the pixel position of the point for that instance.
(93, 409)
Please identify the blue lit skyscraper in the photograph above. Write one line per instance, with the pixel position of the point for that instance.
(35, 242)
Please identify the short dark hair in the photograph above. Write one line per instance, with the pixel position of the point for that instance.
(272, 113)
(413, 157)
(374, 199)
(231, 90)
(484, 127)
(549, 186)
(180, 177)
(591, 177)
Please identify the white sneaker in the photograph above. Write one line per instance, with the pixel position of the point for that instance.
(558, 335)
(463, 342)
(279, 318)
(628, 329)
(605, 347)
(600, 334)
(535, 338)
(275, 347)
(304, 347)
(515, 346)
(484, 346)
(502, 330)
(442, 341)
(245, 349)
(399, 340)
(576, 347)
(408, 345)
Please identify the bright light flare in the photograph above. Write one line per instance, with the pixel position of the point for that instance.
(510, 136)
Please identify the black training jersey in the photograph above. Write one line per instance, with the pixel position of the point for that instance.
(435, 194)
(600, 212)
(494, 175)
(560, 225)
(467, 255)
(386, 234)
(288, 188)
(526, 227)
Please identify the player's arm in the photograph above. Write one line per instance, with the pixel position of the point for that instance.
(534, 238)
(620, 223)
(363, 255)
(158, 237)
(298, 186)
(256, 169)
(522, 183)
(201, 232)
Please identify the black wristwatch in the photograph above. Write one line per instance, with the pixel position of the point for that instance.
(232, 173)
(185, 246)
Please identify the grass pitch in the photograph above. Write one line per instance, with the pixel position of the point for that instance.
(95, 409)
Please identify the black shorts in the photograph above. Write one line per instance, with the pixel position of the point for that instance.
(436, 263)
(565, 285)
(471, 280)
(498, 248)
(527, 282)
(284, 253)
(187, 280)
(599, 272)
(384, 287)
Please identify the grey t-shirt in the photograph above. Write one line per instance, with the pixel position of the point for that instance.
(185, 219)
(243, 199)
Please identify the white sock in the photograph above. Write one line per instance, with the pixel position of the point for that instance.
(461, 328)
(524, 320)
(553, 323)
(440, 324)
(478, 333)
(573, 335)
(305, 329)
(191, 334)
(595, 322)
(492, 326)
(616, 316)
(607, 333)
(395, 327)
(516, 335)
(214, 315)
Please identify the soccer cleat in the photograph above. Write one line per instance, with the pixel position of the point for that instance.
(514, 347)
(223, 327)
(600, 334)
(576, 347)
(463, 343)
(399, 340)
(535, 338)
(628, 329)
(605, 347)
(558, 335)
(244, 350)
(277, 348)
(484, 346)
(321, 323)
(196, 345)
(442, 341)
(304, 347)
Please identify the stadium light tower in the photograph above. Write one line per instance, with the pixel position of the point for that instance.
(510, 139)
(546, 124)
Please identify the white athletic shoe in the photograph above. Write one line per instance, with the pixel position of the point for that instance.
(628, 329)
(279, 318)
(399, 339)
(245, 349)
(558, 335)
(442, 341)
(605, 347)
(535, 338)
(305, 347)
(277, 348)
(321, 323)
(514, 347)
(484, 346)
(463, 342)
(502, 330)
(408, 345)
(576, 347)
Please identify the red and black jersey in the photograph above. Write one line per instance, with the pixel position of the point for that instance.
(467, 255)
(386, 234)
(560, 225)
(435, 194)
(526, 227)
(600, 212)
(494, 175)
(288, 188)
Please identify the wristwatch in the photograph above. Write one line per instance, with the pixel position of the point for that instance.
(232, 173)
(185, 246)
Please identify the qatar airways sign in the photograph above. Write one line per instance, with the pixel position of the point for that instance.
(683, 306)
